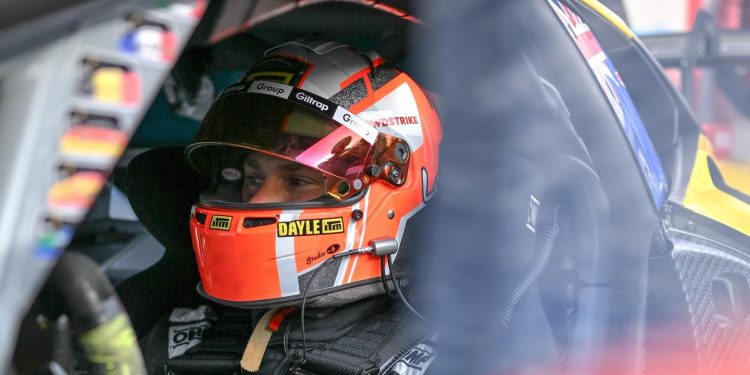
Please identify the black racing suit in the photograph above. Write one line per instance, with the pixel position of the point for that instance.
(372, 336)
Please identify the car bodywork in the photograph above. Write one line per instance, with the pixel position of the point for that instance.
(705, 221)
(708, 63)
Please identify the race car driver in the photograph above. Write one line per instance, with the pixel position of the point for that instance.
(319, 160)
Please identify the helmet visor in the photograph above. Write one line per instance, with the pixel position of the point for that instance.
(300, 127)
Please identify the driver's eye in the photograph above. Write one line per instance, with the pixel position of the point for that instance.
(253, 180)
(296, 181)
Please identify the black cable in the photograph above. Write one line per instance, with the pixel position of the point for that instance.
(534, 273)
(304, 300)
(323, 265)
(384, 279)
(401, 294)
(302, 310)
(286, 338)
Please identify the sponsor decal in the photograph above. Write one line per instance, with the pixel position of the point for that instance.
(330, 250)
(309, 99)
(393, 121)
(356, 124)
(333, 248)
(188, 327)
(220, 222)
(414, 362)
(231, 174)
(270, 88)
(317, 256)
(351, 121)
(417, 357)
(310, 227)
(402, 103)
(183, 338)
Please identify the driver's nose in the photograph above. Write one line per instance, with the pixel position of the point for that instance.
(271, 191)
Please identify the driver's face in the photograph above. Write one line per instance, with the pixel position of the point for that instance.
(268, 179)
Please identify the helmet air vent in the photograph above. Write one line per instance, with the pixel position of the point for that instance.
(201, 217)
(251, 222)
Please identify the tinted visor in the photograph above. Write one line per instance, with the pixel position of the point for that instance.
(239, 175)
(300, 127)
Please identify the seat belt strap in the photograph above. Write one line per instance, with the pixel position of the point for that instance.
(258, 342)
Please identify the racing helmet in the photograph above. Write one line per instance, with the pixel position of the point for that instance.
(370, 131)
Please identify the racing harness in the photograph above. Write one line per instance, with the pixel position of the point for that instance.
(374, 336)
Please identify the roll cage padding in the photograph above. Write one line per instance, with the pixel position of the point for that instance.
(161, 188)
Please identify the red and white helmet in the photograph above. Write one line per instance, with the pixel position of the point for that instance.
(368, 127)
